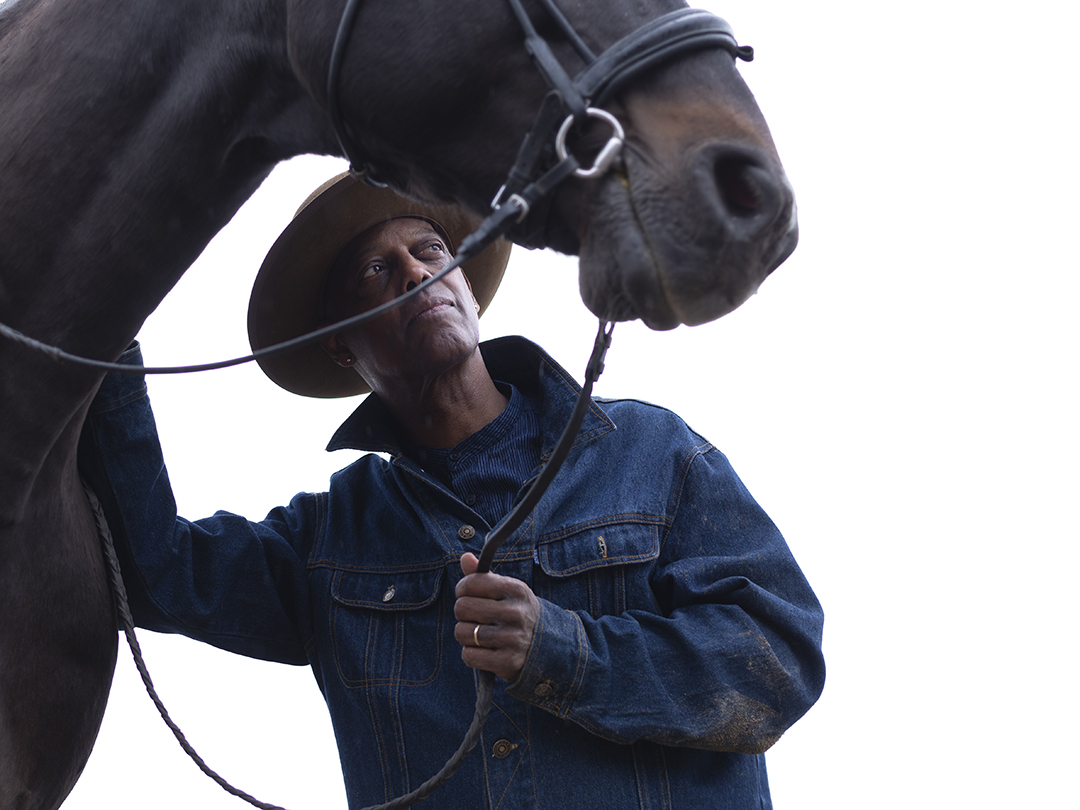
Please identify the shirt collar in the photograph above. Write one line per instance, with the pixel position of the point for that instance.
(514, 360)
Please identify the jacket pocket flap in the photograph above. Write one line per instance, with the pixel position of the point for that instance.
(387, 590)
(599, 547)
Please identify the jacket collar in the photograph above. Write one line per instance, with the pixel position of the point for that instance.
(513, 360)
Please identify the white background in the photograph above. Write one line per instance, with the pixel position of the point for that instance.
(901, 397)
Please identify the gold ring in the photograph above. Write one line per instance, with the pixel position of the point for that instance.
(476, 636)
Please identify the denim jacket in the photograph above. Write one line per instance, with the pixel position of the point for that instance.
(677, 639)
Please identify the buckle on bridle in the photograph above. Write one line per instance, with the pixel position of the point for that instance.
(606, 156)
(514, 199)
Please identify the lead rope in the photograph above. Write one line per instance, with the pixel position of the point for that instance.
(120, 597)
(485, 681)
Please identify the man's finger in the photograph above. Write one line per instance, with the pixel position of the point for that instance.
(469, 562)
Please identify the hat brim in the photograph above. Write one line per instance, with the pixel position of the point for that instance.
(286, 299)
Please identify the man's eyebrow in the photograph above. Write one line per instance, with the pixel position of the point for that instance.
(420, 232)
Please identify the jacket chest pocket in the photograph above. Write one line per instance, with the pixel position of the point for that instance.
(388, 627)
(603, 569)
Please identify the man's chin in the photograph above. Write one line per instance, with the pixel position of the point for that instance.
(438, 345)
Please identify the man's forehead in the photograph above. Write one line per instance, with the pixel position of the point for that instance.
(401, 229)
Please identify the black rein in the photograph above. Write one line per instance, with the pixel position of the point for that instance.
(539, 168)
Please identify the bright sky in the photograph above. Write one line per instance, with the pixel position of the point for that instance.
(901, 397)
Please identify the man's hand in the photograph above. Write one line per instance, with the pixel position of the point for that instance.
(496, 618)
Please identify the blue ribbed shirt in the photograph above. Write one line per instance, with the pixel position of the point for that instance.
(488, 469)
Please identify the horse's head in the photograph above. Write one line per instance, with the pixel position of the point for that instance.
(689, 222)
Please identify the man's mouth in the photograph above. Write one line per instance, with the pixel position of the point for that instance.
(429, 307)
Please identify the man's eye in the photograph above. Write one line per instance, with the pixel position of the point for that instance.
(372, 270)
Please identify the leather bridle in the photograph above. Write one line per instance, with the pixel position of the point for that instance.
(543, 159)
(543, 162)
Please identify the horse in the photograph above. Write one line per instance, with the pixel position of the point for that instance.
(133, 130)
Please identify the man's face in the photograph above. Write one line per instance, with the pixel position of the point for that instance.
(426, 336)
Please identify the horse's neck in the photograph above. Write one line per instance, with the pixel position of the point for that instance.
(133, 130)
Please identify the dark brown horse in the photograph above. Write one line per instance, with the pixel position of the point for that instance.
(131, 132)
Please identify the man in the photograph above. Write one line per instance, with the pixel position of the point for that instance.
(650, 631)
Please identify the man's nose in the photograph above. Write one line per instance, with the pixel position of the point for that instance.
(416, 273)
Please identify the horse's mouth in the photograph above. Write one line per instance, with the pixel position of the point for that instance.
(685, 255)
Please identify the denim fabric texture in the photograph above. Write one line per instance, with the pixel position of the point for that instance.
(677, 641)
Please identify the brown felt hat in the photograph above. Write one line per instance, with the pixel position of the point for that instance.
(286, 300)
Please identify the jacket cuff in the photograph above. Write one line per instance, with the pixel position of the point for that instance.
(118, 388)
(555, 667)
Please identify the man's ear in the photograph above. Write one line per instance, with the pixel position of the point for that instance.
(338, 351)
(476, 304)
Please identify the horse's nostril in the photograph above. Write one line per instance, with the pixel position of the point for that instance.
(739, 187)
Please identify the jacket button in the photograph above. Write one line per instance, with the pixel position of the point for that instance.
(386, 597)
(466, 532)
(543, 689)
(502, 749)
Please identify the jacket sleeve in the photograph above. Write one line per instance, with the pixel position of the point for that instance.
(237, 584)
(729, 660)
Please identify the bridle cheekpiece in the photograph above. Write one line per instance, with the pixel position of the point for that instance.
(569, 103)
